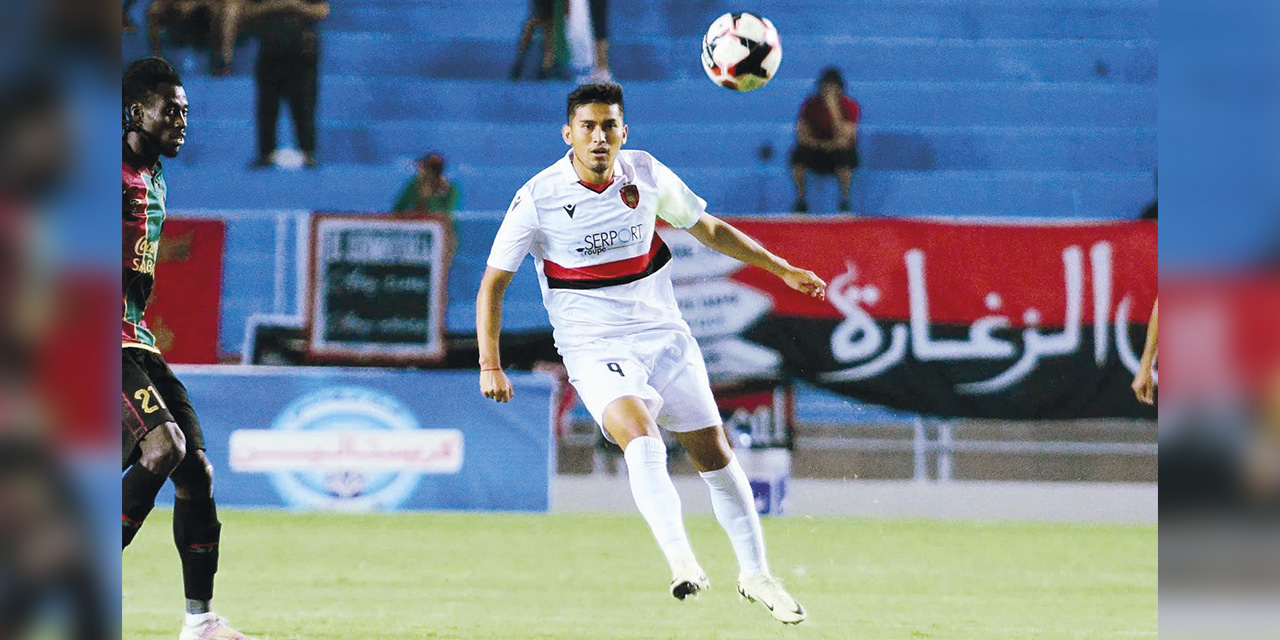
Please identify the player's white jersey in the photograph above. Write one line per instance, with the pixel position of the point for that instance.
(599, 261)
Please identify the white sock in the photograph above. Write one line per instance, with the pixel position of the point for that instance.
(735, 508)
(656, 496)
(196, 619)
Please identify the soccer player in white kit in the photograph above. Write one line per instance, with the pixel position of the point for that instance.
(589, 222)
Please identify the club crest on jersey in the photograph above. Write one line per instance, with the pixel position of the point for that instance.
(630, 195)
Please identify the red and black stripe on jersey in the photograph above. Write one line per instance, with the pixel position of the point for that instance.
(609, 274)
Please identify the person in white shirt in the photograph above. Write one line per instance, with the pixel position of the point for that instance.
(588, 220)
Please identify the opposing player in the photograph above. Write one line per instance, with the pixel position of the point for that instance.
(160, 435)
(1144, 382)
(589, 222)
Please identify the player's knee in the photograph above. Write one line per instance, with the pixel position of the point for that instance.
(163, 449)
(628, 418)
(194, 477)
(708, 448)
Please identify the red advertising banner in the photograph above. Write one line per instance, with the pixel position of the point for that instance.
(185, 306)
(1019, 321)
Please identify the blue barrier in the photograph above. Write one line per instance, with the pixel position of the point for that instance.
(353, 439)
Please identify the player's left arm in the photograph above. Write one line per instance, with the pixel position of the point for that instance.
(727, 239)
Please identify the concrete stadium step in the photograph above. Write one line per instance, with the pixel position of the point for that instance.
(861, 58)
(724, 145)
(699, 101)
(932, 19)
(731, 191)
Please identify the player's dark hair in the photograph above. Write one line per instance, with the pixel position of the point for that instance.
(831, 74)
(142, 78)
(600, 93)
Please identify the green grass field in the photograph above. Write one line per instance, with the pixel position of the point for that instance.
(339, 577)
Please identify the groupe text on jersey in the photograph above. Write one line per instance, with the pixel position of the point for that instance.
(598, 256)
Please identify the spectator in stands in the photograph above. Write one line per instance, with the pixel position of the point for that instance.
(541, 18)
(428, 190)
(600, 31)
(199, 24)
(287, 69)
(826, 137)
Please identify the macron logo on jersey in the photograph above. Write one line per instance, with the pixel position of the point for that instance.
(568, 208)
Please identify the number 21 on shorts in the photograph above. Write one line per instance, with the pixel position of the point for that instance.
(145, 395)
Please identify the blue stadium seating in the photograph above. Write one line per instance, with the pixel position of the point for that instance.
(1093, 194)
(673, 58)
(1065, 89)
(1061, 148)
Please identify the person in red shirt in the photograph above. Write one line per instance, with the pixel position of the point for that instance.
(826, 137)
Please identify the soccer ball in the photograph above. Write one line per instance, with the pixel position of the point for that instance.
(741, 51)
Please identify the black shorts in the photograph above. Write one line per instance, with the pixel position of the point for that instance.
(820, 161)
(152, 396)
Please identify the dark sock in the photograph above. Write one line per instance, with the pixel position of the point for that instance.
(138, 492)
(196, 532)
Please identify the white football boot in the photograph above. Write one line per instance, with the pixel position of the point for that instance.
(688, 579)
(767, 590)
(215, 628)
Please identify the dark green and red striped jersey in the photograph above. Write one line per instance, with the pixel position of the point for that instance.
(144, 193)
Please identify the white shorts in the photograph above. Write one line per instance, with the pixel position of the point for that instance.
(663, 368)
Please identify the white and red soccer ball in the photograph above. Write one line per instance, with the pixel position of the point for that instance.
(741, 51)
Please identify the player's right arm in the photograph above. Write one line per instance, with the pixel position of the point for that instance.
(510, 245)
(493, 287)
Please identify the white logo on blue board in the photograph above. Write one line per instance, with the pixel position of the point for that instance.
(346, 408)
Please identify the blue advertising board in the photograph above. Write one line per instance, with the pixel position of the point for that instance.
(372, 439)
